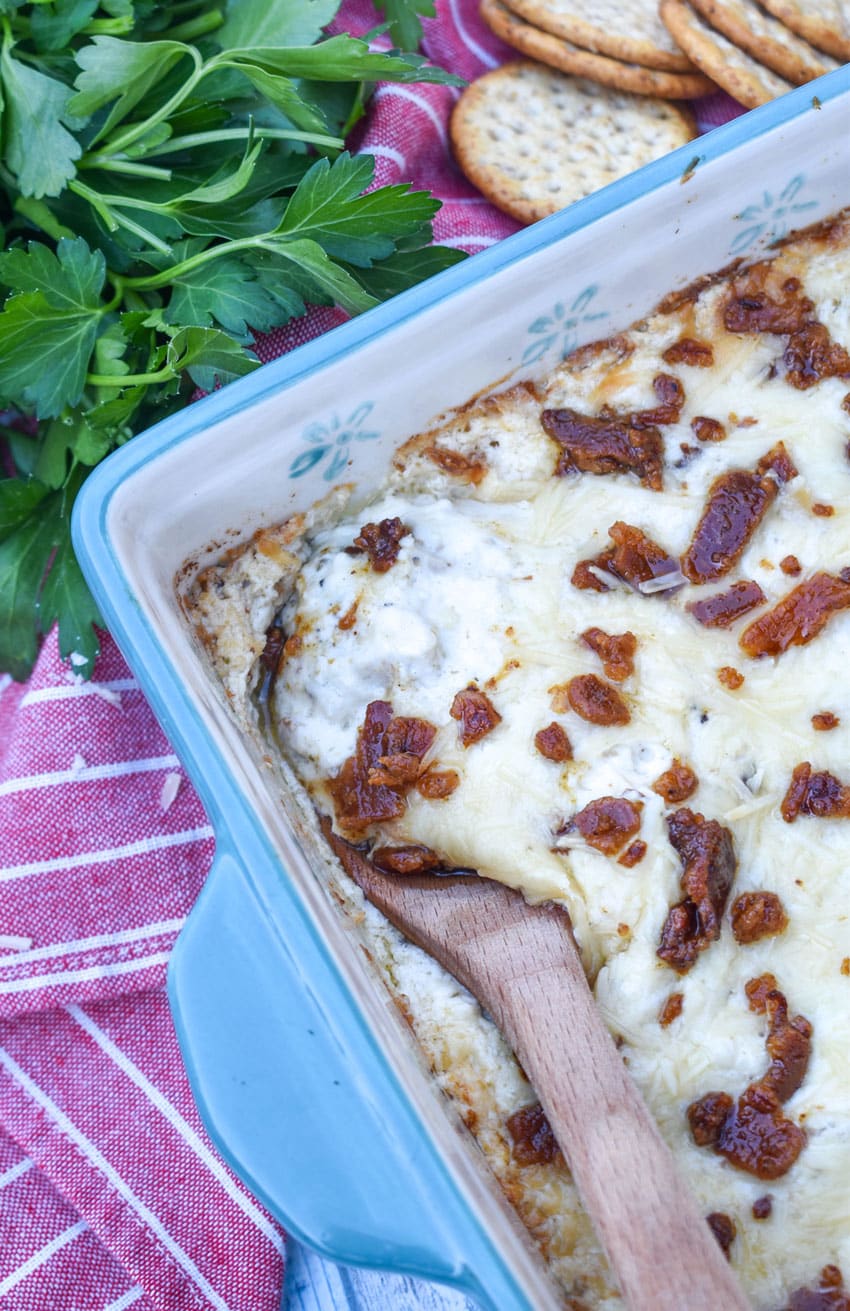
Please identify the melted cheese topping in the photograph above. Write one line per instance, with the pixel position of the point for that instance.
(481, 593)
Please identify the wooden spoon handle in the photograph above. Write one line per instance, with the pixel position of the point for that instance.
(660, 1247)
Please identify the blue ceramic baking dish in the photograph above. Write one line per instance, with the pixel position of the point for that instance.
(297, 1063)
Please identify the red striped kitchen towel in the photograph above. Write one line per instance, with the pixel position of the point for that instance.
(111, 1195)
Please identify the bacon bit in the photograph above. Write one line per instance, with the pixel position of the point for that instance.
(798, 617)
(677, 783)
(349, 619)
(707, 1117)
(723, 1229)
(671, 398)
(381, 542)
(708, 430)
(723, 608)
(396, 770)
(687, 350)
(689, 454)
(476, 713)
(789, 564)
(749, 421)
(762, 1207)
(534, 1142)
(709, 863)
(623, 930)
(553, 743)
(413, 859)
(788, 1043)
(597, 702)
(459, 466)
(845, 965)
(437, 784)
(605, 444)
(823, 511)
(730, 677)
(292, 646)
(273, 649)
(615, 650)
(830, 1295)
(358, 801)
(758, 304)
(824, 721)
(757, 915)
(608, 823)
(811, 355)
(737, 502)
(634, 558)
(778, 461)
(757, 1137)
(633, 854)
(671, 1010)
(820, 794)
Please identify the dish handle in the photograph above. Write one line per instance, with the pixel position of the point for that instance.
(303, 1105)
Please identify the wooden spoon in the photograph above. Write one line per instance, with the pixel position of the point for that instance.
(522, 964)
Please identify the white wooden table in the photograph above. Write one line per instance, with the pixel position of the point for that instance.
(315, 1285)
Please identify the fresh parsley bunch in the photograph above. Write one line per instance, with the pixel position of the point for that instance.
(172, 176)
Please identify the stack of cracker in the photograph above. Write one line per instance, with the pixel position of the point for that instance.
(533, 140)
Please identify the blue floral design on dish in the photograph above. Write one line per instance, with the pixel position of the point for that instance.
(560, 327)
(771, 217)
(331, 439)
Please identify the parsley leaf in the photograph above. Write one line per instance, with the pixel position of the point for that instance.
(256, 22)
(403, 19)
(66, 600)
(18, 499)
(24, 556)
(124, 71)
(70, 278)
(38, 150)
(226, 292)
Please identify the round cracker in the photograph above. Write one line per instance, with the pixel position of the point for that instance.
(748, 81)
(629, 30)
(533, 140)
(552, 50)
(826, 23)
(770, 42)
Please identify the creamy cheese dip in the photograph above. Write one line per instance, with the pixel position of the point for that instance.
(482, 593)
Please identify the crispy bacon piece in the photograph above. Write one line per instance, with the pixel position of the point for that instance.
(758, 302)
(757, 1137)
(634, 558)
(412, 859)
(789, 564)
(709, 863)
(824, 721)
(360, 800)
(605, 444)
(730, 677)
(381, 542)
(820, 794)
(723, 1229)
(468, 467)
(737, 502)
(757, 915)
(798, 617)
(476, 713)
(823, 511)
(789, 1042)
(688, 350)
(762, 1207)
(708, 430)
(677, 783)
(553, 743)
(811, 355)
(778, 461)
(437, 784)
(396, 770)
(671, 398)
(707, 1117)
(633, 854)
(608, 823)
(596, 701)
(534, 1143)
(671, 1010)
(723, 608)
(349, 619)
(273, 649)
(830, 1295)
(615, 650)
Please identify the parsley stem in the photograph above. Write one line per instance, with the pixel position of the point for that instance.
(107, 164)
(150, 282)
(97, 203)
(193, 139)
(117, 380)
(109, 26)
(195, 27)
(136, 130)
